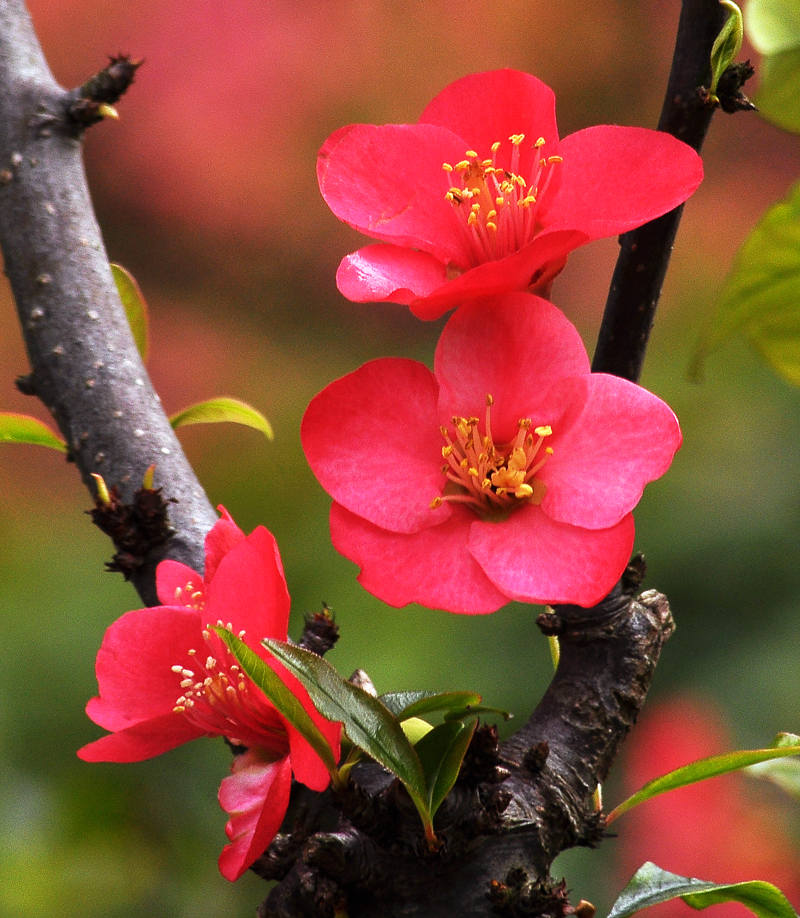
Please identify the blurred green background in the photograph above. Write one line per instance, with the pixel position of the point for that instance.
(206, 192)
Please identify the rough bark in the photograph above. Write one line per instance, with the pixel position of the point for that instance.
(514, 808)
(84, 364)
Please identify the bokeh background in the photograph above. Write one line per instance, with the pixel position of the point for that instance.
(206, 191)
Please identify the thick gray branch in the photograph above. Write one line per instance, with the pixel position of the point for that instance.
(84, 363)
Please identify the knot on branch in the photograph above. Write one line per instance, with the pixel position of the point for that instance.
(320, 631)
(517, 896)
(93, 101)
(135, 528)
(729, 96)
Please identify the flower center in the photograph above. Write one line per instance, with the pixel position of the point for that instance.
(220, 699)
(492, 479)
(496, 207)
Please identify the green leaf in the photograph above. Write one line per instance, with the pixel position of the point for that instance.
(701, 771)
(224, 408)
(651, 885)
(773, 25)
(21, 428)
(285, 701)
(441, 752)
(727, 44)
(420, 704)
(783, 772)
(369, 724)
(761, 296)
(774, 28)
(135, 307)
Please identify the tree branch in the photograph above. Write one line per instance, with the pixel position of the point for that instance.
(513, 809)
(84, 363)
(645, 252)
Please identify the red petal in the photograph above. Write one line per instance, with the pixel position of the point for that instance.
(486, 107)
(134, 663)
(534, 559)
(249, 589)
(533, 266)
(307, 766)
(616, 178)
(431, 567)
(387, 181)
(224, 535)
(143, 740)
(389, 274)
(256, 795)
(172, 579)
(513, 348)
(372, 439)
(612, 439)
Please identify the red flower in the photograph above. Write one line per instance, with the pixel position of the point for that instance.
(716, 830)
(543, 463)
(481, 197)
(166, 678)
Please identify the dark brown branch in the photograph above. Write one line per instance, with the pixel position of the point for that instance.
(645, 252)
(513, 809)
(84, 363)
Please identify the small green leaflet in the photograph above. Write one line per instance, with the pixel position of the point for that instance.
(773, 26)
(704, 769)
(761, 296)
(135, 307)
(441, 752)
(369, 723)
(727, 44)
(651, 885)
(224, 408)
(21, 428)
(281, 696)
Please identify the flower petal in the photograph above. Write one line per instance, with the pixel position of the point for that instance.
(256, 795)
(512, 348)
(134, 665)
(222, 537)
(308, 767)
(487, 107)
(611, 440)
(534, 266)
(143, 740)
(172, 580)
(431, 567)
(372, 439)
(249, 589)
(387, 181)
(389, 274)
(615, 178)
(532, 558)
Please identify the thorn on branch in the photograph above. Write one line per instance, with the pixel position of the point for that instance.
(26, 384)
(135, 528)
(95, 99)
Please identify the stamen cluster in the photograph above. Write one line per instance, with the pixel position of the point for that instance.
(488, 477)
(498, 205)
(218, 697)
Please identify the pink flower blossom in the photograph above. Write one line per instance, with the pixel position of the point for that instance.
(166, 678)
(481, 197)
(510, 472)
